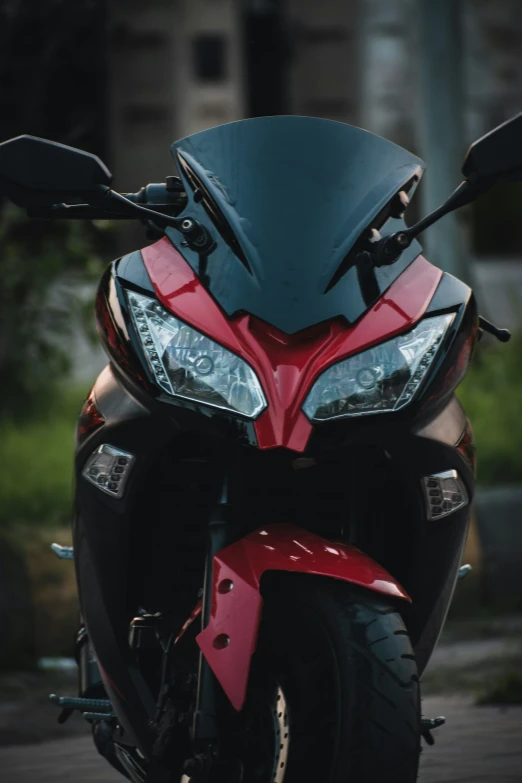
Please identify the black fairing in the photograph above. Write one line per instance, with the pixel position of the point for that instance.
(287, 199)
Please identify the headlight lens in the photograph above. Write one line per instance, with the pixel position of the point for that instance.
(188, 364)
(384, 378)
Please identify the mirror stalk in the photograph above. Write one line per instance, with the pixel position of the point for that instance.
(196, 235)
(387, 250)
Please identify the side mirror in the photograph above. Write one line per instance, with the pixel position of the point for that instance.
(36, 172)
(497, 156)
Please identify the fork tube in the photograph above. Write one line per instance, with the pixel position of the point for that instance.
(220, 534)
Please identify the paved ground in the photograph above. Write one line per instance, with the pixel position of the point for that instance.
(478, 745)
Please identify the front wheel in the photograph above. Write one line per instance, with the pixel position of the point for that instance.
(334, 693)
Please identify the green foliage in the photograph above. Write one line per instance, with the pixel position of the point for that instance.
(36, 479)
(492, 397)
(43, 266)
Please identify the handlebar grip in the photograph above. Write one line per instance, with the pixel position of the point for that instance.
(504, 335)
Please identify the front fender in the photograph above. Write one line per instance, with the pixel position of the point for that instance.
(230, 638)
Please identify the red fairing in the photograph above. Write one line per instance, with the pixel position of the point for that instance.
(112, 340)
(287, 365)
(196, 612)
(230, 638)
(90, 419)
(466, 447)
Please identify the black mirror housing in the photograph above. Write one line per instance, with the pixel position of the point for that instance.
(37, 172)
(497, 156)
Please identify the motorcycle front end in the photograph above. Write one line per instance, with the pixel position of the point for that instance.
(276, 528)
(273, 473)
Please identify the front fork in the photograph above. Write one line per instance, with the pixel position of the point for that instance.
(221, 533)
(205, 725)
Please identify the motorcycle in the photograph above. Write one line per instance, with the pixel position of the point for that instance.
(273, 472)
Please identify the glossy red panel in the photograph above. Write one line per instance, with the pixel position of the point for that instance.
(90, 419)
(287, 365)
(466, 447)
(192, 618)
(229, 640)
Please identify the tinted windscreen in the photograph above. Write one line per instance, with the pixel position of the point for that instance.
(286, 199)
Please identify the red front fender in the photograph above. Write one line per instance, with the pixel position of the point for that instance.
(230, 638)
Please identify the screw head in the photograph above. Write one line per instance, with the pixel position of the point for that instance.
(402, 239)
(225, 586)
(187, 224)
(221, 641)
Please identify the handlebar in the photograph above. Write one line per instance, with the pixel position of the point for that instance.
(504, 335)
(167, 197)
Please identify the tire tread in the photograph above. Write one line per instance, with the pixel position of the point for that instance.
(378, 681)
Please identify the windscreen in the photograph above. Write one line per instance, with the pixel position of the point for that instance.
(286, 199)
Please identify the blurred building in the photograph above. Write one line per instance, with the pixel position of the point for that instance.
(323, 73)
(179, 66)
(493, 62)
(175, 67)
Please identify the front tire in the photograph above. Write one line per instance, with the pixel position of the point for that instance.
(343, 659)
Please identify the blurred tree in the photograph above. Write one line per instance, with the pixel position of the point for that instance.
(43, 269)
(490, 394)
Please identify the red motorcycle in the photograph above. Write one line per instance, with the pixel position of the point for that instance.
(274, 451)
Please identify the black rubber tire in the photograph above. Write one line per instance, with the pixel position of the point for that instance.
(344, 660)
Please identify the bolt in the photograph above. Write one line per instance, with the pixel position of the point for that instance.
(221, 641)
(187, 224)
(225, 586)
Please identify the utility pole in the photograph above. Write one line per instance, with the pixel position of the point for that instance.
(442, 143)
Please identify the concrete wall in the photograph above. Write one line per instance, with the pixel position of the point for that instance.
(323, 70)
(388, 86)
(142, 109)
(355, 61)
(201, 102)
(155, 93)
(493, 65)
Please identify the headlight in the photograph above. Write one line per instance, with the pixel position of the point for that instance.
(188, 364)
(384, 378)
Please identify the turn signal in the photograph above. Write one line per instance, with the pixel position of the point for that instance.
(445, 493)
(108, 469)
